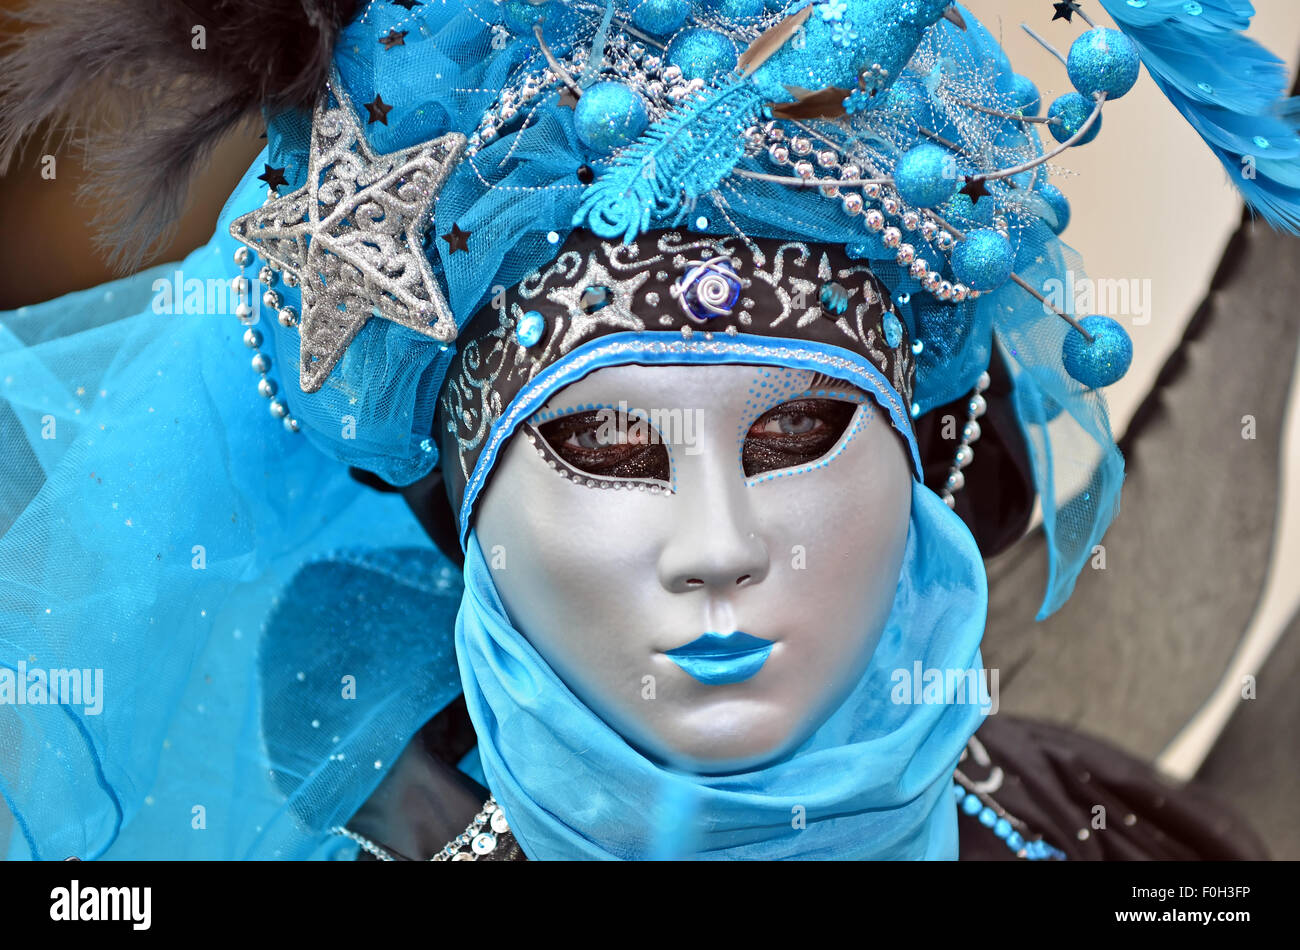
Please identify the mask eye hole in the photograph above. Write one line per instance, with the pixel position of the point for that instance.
(795, 433)
(606, 443)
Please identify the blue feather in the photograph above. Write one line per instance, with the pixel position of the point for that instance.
(686, 154)
(1230, 89)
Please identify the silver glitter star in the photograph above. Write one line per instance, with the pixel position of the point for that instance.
(353, 236)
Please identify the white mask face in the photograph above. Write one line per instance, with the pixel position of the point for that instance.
(716, 622)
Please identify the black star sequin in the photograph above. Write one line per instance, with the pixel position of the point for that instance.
(274, 177)
(393, 38)
(975, 189)
(378, 110)
(1065, 10)
(406, 4)
(568, 98)
(457, 240)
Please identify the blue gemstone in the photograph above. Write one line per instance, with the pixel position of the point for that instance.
(1015, 841)
(893, 330)
(988, 818)
(1002, 828)
(958, 792)
(530, 328)
(972, 805)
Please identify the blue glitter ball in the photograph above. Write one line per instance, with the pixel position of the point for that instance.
(926, 176)
(1103, 60)
(1058, 206)
(518, 16)
(733, 10)
(984, 260)
(1073, 110)
(893, 330)
(701, 54)
(1103, 361)
(1025, 96)
(965, 212)
(660, 17)
(910, 100)
(609, 115)
(530, 328)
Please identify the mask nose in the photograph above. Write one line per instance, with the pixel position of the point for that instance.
(714, 540)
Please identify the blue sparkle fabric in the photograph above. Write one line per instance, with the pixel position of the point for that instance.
(874, 781)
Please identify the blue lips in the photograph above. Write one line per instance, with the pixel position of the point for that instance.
(715, 659)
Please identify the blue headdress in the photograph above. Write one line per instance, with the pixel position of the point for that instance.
(160, 525)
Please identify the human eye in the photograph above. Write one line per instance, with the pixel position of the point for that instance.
(795, 433)
(606, 443)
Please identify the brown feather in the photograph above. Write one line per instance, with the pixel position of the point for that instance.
(827, 104)
(121, 81)
(772, 39)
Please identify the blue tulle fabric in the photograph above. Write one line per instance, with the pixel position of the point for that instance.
(872, 782)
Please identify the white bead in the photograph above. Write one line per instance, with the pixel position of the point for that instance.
(965, 455)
